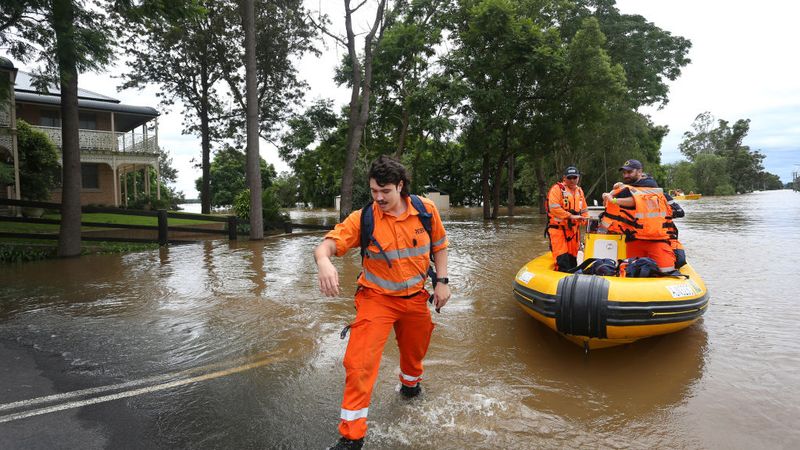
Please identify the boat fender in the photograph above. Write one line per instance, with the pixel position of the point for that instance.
(583, 305)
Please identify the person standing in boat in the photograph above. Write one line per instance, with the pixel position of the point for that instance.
(641, 210)
(566, 210)
(397, 233)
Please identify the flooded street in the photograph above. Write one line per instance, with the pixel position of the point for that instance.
(231, 345)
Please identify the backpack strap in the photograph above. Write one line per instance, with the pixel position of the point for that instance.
(586, 263)
(367, 227)
(425, 218)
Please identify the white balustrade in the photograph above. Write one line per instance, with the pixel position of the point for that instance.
(105, 140)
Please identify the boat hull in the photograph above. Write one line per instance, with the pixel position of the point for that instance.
(596, 312)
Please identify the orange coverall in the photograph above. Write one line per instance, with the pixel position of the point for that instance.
(565, 234)
(387, 297)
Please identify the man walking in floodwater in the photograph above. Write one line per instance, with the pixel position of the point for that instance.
(396, 258)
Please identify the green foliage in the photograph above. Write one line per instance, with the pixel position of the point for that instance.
(270, 205)
(39, 166)
(314, 147)
(6, 174)
(227, 175)
(170, 197)
(150, 202)
(741, 167)
(15, 253)
(680, 175)
(709, 173)
(286, 188)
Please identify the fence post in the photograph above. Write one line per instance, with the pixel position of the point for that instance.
(162, 227)
(232, 225)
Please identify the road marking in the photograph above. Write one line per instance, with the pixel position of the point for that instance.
(131, 393)
(128, 384)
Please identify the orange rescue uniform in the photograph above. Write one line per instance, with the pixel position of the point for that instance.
(564, 233)
(387, 297)
(648, 226)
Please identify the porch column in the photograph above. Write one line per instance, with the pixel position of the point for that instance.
(135, 191)
(144, 137)
(125, 187)
(114, 141)
(156, 135)
(12, 107)
(115, 177)
(158, 182)
(146, 171)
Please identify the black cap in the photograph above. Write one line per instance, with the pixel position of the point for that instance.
(631, 164)
(571, 171)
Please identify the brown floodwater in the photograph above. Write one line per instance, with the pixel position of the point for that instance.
(494, 378)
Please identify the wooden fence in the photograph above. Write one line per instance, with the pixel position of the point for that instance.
(163, 228)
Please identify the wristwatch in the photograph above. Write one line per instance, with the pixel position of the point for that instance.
(444, 280)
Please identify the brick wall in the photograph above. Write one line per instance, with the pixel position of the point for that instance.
(104, 195)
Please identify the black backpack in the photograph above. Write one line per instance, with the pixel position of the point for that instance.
(642, 267)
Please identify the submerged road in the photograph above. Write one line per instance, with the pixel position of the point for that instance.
(219, 345)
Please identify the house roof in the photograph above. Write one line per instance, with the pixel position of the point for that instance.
(24, 83)
(130, 116)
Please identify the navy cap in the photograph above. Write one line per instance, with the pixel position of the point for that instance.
(631, 164)
(570, 171)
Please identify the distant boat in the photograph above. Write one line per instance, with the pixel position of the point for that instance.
(687, 197)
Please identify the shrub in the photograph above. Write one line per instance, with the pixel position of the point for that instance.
(39, 168)
(270, 207)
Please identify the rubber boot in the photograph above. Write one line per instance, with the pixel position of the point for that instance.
(410, 392)
(347, 444)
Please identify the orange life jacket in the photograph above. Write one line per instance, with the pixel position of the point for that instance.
(571, 202)
(616, 219)
(649, 220)
(653, 216)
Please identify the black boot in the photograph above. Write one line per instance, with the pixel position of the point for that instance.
(410, 392)
(347, 444)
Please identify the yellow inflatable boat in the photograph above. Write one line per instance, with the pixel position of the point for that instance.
(687, 197)
(603, 311)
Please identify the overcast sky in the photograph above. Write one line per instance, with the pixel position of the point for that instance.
(744, 66)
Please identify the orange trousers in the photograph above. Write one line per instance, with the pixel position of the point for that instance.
(376, 315)
(561, 246)
(660, 251)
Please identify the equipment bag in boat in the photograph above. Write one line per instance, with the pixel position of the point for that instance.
(642, 267)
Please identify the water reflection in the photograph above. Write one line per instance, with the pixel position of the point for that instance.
(495, 377)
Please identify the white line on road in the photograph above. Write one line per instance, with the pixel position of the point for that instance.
(115, 387)
(132, 393)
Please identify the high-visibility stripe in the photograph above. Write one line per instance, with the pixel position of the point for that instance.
(555, 205)
(409, 378)
(350, 415)
(392, 285)
(650, 215)
(439, 242)
(400, 253)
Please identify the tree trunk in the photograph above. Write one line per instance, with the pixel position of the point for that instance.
(540, 181)
(485, 190)
(359, 110)
(69, 238)
(205, 143)
(512, 160)
(498, 184)
(253, 159)
(401, 141)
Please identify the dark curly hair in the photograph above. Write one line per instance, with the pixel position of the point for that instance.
(388, 170)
